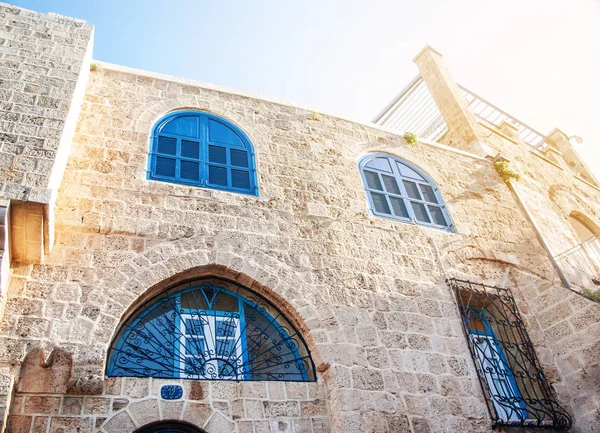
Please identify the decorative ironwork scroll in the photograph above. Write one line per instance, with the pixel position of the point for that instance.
(210, 329)
(516, 390)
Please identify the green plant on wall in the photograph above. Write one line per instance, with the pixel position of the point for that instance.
(95, 67)
(591, 295)
(411, 138)
(506, 172)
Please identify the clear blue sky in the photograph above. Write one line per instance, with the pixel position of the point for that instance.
(537, 59)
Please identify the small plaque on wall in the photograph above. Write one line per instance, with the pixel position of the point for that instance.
(171, 392)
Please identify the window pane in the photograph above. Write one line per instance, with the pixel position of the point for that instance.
(373, 181)
(217, 154)
(390, 184)
(380, 203)
(240, 179)
(382, 164)
(165, 166)
(409, 172)
(226, 347)
(195, 366)
(189, 170)
(223, 134)
(420, 212)
(225, 369)
(428, 193)
(190, 149)
(412, 190)
(194, 327)
(186, 125)
(194, 346)
(437, 215)
(399, 207)
(225, 328)
(239, 158)
(167, 145)
(217, 175)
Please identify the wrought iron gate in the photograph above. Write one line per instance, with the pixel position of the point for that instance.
(516, 390)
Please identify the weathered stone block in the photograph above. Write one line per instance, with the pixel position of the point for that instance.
(39, 376)
(281, 409)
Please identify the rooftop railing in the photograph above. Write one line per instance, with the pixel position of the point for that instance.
(415, 110)
(491, 115)
(581, 263)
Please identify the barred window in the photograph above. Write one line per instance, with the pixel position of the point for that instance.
(516, 390)
(201, 149)
(398, 189)
(210, 329)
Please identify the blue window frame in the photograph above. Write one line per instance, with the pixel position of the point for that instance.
(497, 373)
(201, 149)
(398, 189)
(210, 330)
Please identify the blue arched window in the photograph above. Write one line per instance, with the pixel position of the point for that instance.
(398, 189)
(200, 149)
(209, 329)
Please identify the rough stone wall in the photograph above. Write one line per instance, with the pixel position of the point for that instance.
(568, 324)
(126, 404)
(41, 57)
(369, 292)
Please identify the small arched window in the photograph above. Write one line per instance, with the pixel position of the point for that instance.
(200, 149)
(398, 189)
(209, 329)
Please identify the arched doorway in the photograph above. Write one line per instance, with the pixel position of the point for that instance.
(169, 427)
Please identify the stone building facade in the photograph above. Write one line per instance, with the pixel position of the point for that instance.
(88, 237)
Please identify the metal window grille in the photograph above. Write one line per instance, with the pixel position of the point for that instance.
(516, 390)
(210, 330)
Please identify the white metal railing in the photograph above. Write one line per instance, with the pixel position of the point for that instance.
(581, 263)
(488, 113)
(414, 110)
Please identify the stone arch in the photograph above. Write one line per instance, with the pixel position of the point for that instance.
(136, 416)
(586, 222)
(225, 273)
(182, 426)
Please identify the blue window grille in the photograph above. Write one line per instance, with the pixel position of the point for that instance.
(201, 149)
(398, 189)
(210, 330)
(515, 388)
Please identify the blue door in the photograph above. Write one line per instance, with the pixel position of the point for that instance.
(498, 376)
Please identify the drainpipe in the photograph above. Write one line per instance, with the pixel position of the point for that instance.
(538, 233)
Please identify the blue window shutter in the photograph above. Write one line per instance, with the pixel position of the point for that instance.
(201, 149)
(397, 189)
(190, 149)
(239, 158)
(165, 166)
(167, 145)
(380, 203)
(217, 175)
(240, 179)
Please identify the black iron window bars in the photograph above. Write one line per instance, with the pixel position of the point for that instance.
(516, 390)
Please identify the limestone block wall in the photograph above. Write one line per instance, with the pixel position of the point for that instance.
(41, 59)
(368, 293)
(126, 404)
